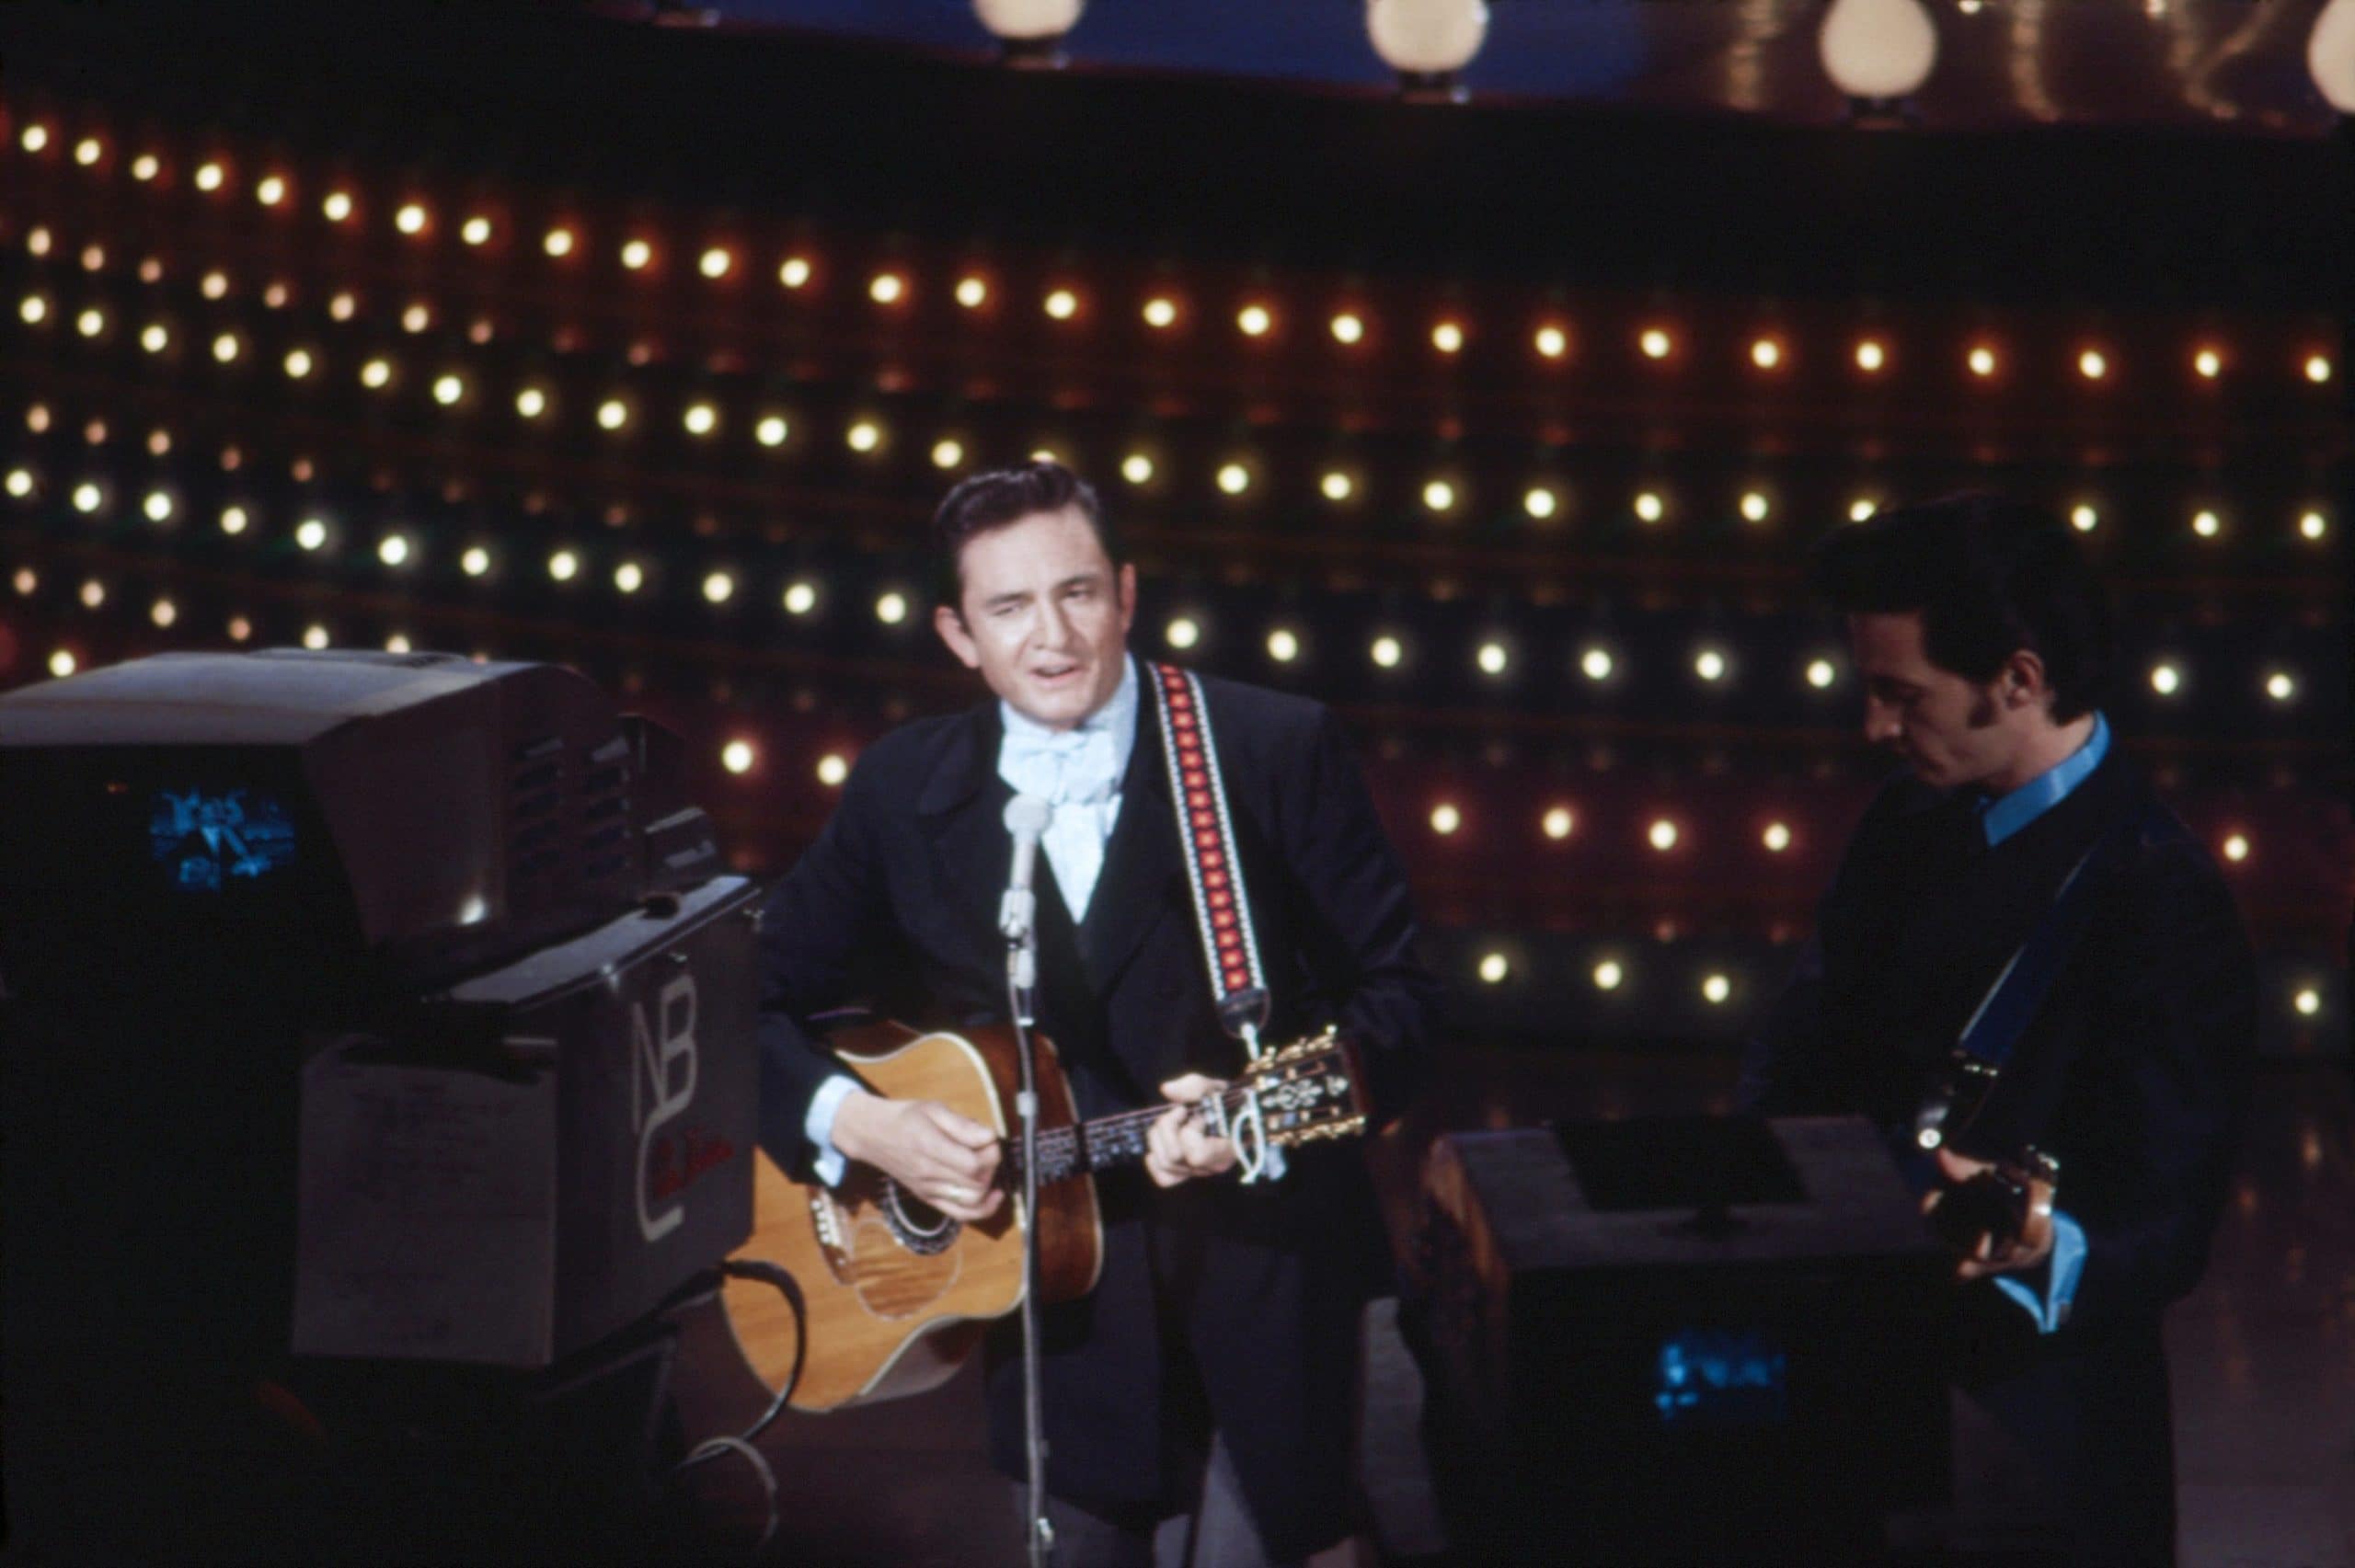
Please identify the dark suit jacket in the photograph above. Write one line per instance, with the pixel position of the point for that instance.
(1218, 1302)
(2133, 1074)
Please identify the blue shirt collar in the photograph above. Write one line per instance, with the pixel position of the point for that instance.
(2007, 814)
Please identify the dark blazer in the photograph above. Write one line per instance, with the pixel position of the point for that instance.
(2133, 1074)
(1218, 1302)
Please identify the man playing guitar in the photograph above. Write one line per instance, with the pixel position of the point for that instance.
(2076, 1153)
(1200, 1399)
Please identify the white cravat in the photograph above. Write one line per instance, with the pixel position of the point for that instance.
(1078, 773)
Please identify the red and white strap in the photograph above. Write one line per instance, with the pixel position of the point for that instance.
(1213, 868)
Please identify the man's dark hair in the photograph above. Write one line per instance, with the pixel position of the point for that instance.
(1001, 497)
(1989, 576)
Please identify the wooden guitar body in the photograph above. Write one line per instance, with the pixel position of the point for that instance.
(893, 1294)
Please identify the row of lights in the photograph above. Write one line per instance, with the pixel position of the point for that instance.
(1254, 319)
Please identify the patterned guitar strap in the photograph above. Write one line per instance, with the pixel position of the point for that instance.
(1222, 912)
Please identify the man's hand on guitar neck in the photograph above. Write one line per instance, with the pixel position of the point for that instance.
(946, 1160)
(1991, 1256)
(1176, 1148)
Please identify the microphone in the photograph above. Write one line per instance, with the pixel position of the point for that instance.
(1027, 817)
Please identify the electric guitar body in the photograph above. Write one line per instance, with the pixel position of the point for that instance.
(895, 1295)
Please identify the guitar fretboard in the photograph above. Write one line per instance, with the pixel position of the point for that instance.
(1099, 1145)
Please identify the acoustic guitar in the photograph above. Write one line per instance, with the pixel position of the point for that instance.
(878, 1296)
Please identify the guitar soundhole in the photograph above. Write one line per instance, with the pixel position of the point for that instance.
(915, 1224)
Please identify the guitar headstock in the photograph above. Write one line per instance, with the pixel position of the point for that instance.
(1308, 1091)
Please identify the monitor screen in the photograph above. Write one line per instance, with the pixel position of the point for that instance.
(209, 839)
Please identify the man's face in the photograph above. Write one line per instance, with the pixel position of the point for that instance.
(1951, 729)
(1044, 615)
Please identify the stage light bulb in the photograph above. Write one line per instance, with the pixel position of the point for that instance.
(2236, 848)
(2313, 526)
(1337, 487)
(337, 206)
(158, 507)
(38, 240)
(532, 402)
(475, 562)
(61, 664)
(718, 588)
(1136, 468)
(94, 593)
(1447, 338)
(87, 498)
(2280, 686)
(885, 288)
(35, 310)
(2207, 524)
(1494, 969)
(1596, 663)
(612, 414)
(833, 769)
(1716, 989)
(1709, 665)
(375, 374)
(1776, 838)
(1445, 819)
(1608, 975)
(88, 151)
(701, 419)
(154, 337)
(891, 608)
(314, 637)
(2317, 369)
(737, 757)
(20, 483)
(715, 263)
(2166, 679)
(447, 390)
(2084, 519)
(1753, 507)
(417, 318)
(224, 348)
(311, 533)
(2093, 365)
(1062, 305)
(298, 363)
(2209, 363)
(1983, 361)
(558, 243)
(162, 613)
(270, 191)
(1283, 646)
(1862, 508)
(1349, 328)
(1183, 632)
(1820, 673)
(1557, 822)
(91, 322)
(947, 454)
(1160, 313)
(145, 167)
(26, 581)
(209, 177)
(1649, 507)
(1662, 834)
(1492, 658)
(973, 293)
(800, 596)
(394, 550)
(1255, 321)
(1234, 478)
(1540, 502)
(793, 272)
(564, 566)
(1552, 342)
(235, 521)
(398, 643)
(35, 137)
(411, 219)
(341, 306)
(1044, 455)
(1386, 652)
(863, 437)
(240, 629)
(1655, 344)
(2308, 1001)
(1438, 495)
(1765, 353)
(770, 431)
(629, 577)
(476, 231)
(1870, 355)
(93, 258)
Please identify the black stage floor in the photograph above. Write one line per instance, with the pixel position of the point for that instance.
(2263, 1354)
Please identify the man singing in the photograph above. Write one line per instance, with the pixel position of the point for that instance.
(1982, 640)
(1197, 1404)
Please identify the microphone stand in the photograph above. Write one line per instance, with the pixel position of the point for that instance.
(1021, 981)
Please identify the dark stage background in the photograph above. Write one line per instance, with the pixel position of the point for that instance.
(540, 331)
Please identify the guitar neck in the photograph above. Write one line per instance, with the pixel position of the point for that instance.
(1100, 1145)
